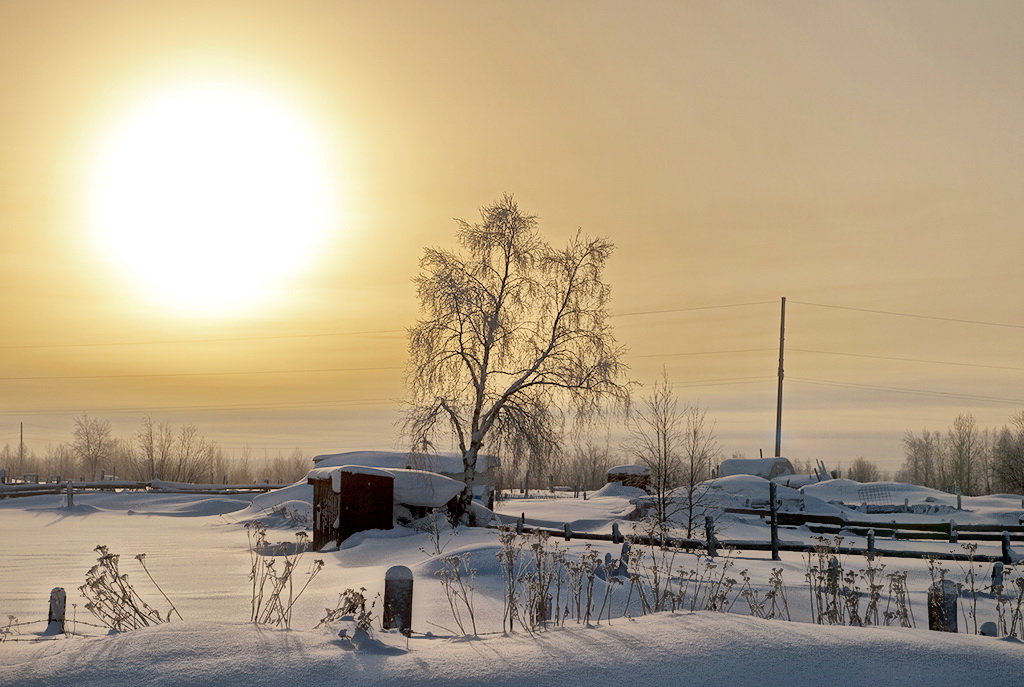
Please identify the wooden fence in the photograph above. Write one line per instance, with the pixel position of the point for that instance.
(154, 486)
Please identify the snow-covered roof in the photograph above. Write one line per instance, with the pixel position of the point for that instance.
(449, 461)
(762, 467)
(629, 470)
(412, 487)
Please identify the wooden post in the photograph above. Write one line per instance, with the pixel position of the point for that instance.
(616, 534)
(1006, 549)
(942, 607)
(871, 545)
(997, 575)
(953, 536)
(959, 501)
(520, 523)
(778, 406)
(70, 490)
(568, 532)
(709, 535)
(398, 599)
(772, 489)
(55, 616)
(623, 569)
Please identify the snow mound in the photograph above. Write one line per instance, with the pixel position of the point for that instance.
(848, 491)
(630, 470)
(713, 649)
(620, 490)
(739, 490)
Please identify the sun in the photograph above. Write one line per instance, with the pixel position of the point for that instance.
(211, 196)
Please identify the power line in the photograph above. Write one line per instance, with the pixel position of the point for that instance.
(161, 342)
(901, 390)
(197, 341)
(201, 374)
(721, 382)
(909, 360)
(702, 307)
(672, 355)
(239, 406)
(914, 315)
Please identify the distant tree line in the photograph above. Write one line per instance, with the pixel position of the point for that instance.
(158, 450)
(967, 458)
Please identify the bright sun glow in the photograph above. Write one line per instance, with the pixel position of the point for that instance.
(211, 196)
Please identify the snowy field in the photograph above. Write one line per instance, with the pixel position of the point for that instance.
(196, 548)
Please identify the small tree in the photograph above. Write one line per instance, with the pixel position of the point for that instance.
(513, 332)
(863, 470)
(678, 446)
(700, 451)
(92, 443)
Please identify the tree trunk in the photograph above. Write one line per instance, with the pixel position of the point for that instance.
(464, 510)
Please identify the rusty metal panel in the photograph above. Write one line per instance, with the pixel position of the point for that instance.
(326, 512)
(367, 503)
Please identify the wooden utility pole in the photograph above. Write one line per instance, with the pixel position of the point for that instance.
(778, 405)
(21, 448)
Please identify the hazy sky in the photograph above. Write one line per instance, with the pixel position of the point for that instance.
(854, 154)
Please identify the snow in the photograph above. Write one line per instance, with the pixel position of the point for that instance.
(630, 470)
(411, 487)
(663, 650)
(762, 467)
(448, 462)
(197, 550)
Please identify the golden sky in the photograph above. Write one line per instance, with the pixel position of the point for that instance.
(856, 154)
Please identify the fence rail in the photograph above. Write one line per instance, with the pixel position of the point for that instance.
(154, 486)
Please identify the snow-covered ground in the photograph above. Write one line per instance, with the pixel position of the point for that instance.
(197, 550)
(666, 650)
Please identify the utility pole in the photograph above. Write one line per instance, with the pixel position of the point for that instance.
(778, 405)
(21, 449)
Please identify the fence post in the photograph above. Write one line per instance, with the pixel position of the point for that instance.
(568, 532)
(871, 545)
(623, 568)
(997, 575)
(709, 535)
(1006, 549)
(772, 489)
(519, 523)
(55, 616)
(959, 501)
(398, 599)
(616, 534)
(70, 490)
(953, 535)
(942, 606)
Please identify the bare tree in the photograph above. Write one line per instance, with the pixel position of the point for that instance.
(700, 450)
(155, 443)
(514, 332)
(964, 445)
(193, 455)
(92, 443)
(656, 432)
(587, 466)
(863, 470)
(1008, 458)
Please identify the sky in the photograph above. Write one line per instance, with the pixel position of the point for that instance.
(852, 155)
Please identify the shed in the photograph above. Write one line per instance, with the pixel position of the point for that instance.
(638, 476)
(353, 498)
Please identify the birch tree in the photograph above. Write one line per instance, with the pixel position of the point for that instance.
(513, 334)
